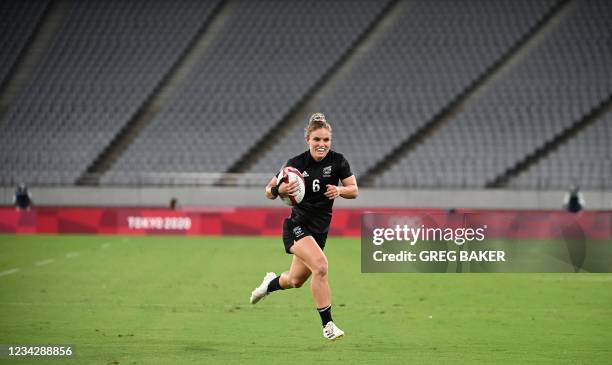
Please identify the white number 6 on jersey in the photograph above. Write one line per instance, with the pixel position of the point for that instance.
(315, 185)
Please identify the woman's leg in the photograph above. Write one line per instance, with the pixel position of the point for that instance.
(307, 250)
(308, 259)
(296, 276)
(311, 255)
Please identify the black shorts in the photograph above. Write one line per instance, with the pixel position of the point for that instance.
(293, 231)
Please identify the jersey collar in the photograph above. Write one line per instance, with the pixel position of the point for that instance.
(311, 160)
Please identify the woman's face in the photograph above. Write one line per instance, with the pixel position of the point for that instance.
(319, 143)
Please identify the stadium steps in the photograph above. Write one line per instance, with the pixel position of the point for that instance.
(550, 146)
(300, 111)
(30, 57)
(158, 98)
(445, 115)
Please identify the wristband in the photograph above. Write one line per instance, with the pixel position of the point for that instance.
(274, 191)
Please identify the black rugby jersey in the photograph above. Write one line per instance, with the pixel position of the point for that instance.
(315, 210)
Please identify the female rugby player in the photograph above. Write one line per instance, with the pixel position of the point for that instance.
(305, 231)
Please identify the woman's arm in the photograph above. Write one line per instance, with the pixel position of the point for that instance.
(348, 190)
(283, 189)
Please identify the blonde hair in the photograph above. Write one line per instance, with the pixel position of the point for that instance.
(316, 121)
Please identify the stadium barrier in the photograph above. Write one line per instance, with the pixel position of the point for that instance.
(519, 224)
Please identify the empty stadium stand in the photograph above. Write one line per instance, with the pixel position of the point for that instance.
(585, 161)
(105, 60)
(421, 94)
(19, 21)
(432, 53)
(561, 80)
(265, 59)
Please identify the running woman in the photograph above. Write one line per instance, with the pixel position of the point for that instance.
(305, 231)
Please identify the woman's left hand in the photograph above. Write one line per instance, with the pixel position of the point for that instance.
(332, 192)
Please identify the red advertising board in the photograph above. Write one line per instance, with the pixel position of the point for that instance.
(268, 221)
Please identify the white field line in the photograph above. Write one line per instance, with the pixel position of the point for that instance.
(69, 255)
(593, 277)
(44, 262)
(8, 272)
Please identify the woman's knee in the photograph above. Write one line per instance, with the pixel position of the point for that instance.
(296, 282)
(320, 267)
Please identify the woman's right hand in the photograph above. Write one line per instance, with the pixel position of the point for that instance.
(288, 189)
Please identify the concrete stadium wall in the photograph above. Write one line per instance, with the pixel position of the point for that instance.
(253, 197)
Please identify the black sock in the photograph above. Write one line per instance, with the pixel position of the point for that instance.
(274, 285)
(325, 314)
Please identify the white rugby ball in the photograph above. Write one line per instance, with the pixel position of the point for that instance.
(292, 174)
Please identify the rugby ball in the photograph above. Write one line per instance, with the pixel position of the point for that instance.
(292, 174)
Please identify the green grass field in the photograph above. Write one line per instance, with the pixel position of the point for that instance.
(177, 300)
